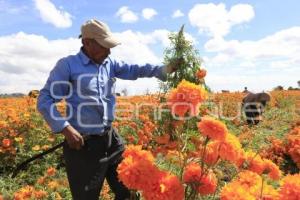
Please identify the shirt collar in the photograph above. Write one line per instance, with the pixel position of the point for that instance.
(86, 60)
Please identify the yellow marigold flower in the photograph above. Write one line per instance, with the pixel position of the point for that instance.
(57, 196)
(186, 98)
(212, 128)
(269, 193)
(290, 187)
(234, 191)
(36, 148)
(19, 139)
(54, 185)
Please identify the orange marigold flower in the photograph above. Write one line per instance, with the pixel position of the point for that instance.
(186, 98)
(254, 162)
(41, 180)
(192, 173)
(167, 187)
(211, 154)
(137, 153)
(212, 128)
(137, 170)
(201, 73)
(6, 143)
(137, 174)
(25, 192)
(247, 184)
(294, 145)
(231, 149)
(51, 171)
(251, 182)
(204, 183)
(40, 194)
(290, 187)
(248, 179)
(208, 184)
(272, 169)
(164, 139)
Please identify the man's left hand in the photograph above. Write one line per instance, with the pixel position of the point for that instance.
(174, 65)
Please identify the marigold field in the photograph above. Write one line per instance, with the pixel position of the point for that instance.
(217, 157)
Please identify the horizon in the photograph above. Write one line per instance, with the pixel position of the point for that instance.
(254, 45)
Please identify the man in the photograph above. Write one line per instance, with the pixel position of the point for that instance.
(253, 105)
(86, 80)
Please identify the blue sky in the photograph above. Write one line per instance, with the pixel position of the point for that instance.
(243, 43)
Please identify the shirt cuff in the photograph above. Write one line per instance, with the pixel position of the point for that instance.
(60, 127)
(162, 73)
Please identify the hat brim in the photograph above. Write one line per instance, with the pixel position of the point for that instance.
(108, 42)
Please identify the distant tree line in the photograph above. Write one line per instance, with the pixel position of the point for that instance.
(279, 87)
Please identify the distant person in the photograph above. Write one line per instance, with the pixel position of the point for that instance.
(246, 90)
(253, 105)
(86, 80)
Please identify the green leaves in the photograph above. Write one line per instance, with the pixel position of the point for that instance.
(182, 52)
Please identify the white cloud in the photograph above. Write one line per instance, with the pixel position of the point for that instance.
(284, 44)
(255, 82)
(26, 59)
(149, 13)
(216, 20)
(177, 13)
(126, 15)
(136, 46)
(258, 64)
(50, 14)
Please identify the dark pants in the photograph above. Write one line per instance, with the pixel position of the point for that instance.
(253, 113)
(86, 174)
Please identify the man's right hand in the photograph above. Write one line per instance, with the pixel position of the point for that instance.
(74, 139)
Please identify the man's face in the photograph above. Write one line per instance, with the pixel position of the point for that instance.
(95, 51)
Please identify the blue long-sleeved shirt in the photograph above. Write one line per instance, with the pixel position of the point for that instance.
(88, 89)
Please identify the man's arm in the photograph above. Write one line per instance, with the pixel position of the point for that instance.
(133, 72)
(56, 88)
